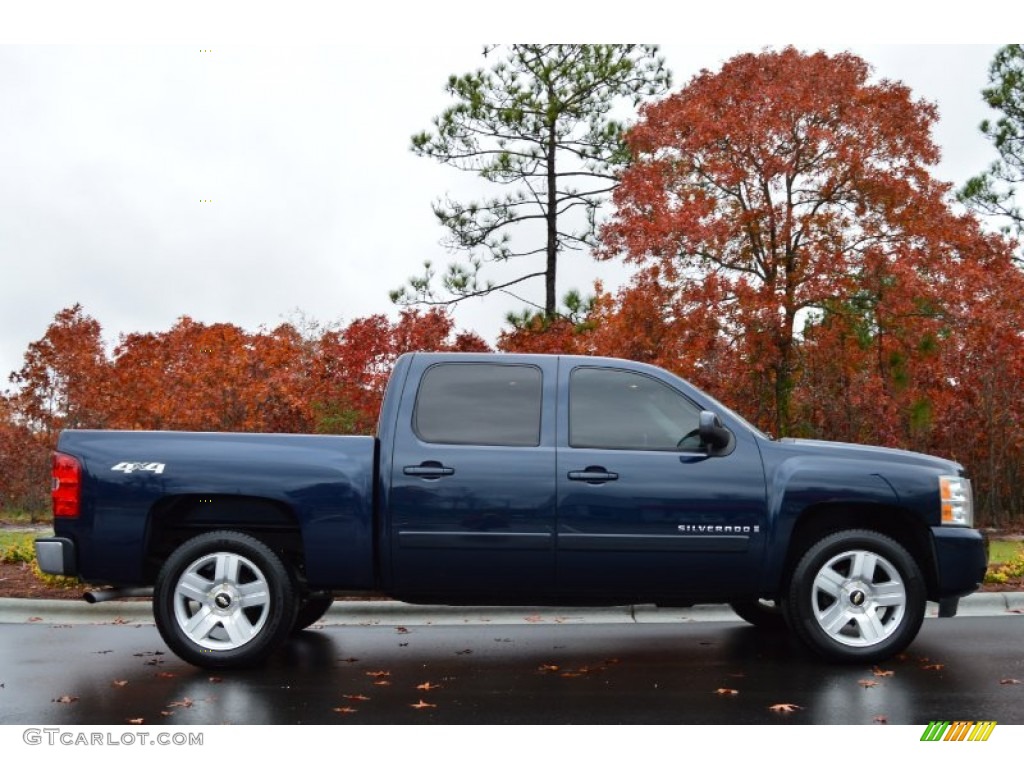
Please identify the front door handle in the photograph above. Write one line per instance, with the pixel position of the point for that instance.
(428, 470)
(593, 475)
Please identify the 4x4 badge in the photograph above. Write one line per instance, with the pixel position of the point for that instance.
(138, 466)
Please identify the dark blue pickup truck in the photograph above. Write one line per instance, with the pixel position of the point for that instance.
(516, 480)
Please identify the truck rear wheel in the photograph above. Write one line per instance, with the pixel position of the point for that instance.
(224, 599)
(856, 596)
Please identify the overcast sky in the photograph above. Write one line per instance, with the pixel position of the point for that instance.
(315, 203)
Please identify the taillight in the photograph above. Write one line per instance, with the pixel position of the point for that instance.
(67, 485)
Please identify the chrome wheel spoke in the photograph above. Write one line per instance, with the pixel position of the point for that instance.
(228, 565)
(834, 618)
(889, 594)
(870, 627)
(240, 630)
(253, 595)
(863, 566)
(192, 586)
(201, 624)
(829, 581)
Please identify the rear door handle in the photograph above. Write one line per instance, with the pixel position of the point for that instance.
(593, 475)
(428, 470)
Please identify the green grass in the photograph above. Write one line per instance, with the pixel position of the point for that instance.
(17, 547)
(1001, 551)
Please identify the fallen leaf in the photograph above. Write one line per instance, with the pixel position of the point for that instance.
(534, 619)
(882, 672)
(185, 703)
(215, 679)
(34, 619)
(1004, 681)
(119, 620)
(379, 673)
(61, 626)
(153, 662)
(65, 699)
(146, 653)
(135, 721)
(611, 661)
(867, 683)
(382, 682)
(350, 660)
(402, 630)
(165, 675)
(421, 704)
(356, 697)
(110, 650)
(344, 710)
(119, 683)
(548, 668)
(463, 652)
(403, 645)
(785, 708)
(933, 666)
(883, 719)
(428, 686)
(571, 673)
(726, 691)
(165, 713)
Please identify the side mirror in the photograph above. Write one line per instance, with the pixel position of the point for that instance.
(712, 433)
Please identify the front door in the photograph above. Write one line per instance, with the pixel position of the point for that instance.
(644, 512)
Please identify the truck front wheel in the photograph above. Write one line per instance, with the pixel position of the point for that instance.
(224, 599)
(856, 596)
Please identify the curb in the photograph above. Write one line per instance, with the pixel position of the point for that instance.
(394, 613)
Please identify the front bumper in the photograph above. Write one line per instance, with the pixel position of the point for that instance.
(961, 559)
(57, 556)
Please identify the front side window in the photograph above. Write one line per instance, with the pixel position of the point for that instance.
(479, 404)
(622, 410)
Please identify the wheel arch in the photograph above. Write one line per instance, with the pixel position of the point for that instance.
(176, 519)
(898, 523)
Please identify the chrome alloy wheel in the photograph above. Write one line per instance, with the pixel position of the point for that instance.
(858, 598)
(221, 601)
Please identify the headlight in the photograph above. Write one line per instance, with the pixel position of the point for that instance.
(957, 502)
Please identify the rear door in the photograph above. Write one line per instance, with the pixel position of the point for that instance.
(472, 498)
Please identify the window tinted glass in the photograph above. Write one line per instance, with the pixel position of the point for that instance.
(479, 404)
(624, 410)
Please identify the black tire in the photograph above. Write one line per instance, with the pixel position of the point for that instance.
(856, 596)
(224, 599)
(763, 614)
(311, 610)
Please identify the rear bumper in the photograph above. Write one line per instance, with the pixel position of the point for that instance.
(57, 556)
(961, 559)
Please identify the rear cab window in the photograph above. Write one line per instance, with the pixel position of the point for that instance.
(479, 404)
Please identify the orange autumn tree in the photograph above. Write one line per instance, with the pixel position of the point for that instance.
(354, 363)
(63, 383)
(766, 194)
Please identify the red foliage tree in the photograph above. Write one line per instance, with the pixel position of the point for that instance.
(768, 191)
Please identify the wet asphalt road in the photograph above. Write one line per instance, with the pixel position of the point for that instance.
(543, 673)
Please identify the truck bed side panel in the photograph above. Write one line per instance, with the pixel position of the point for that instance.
(325, 482)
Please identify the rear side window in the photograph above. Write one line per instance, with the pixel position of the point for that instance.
(479, 404)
